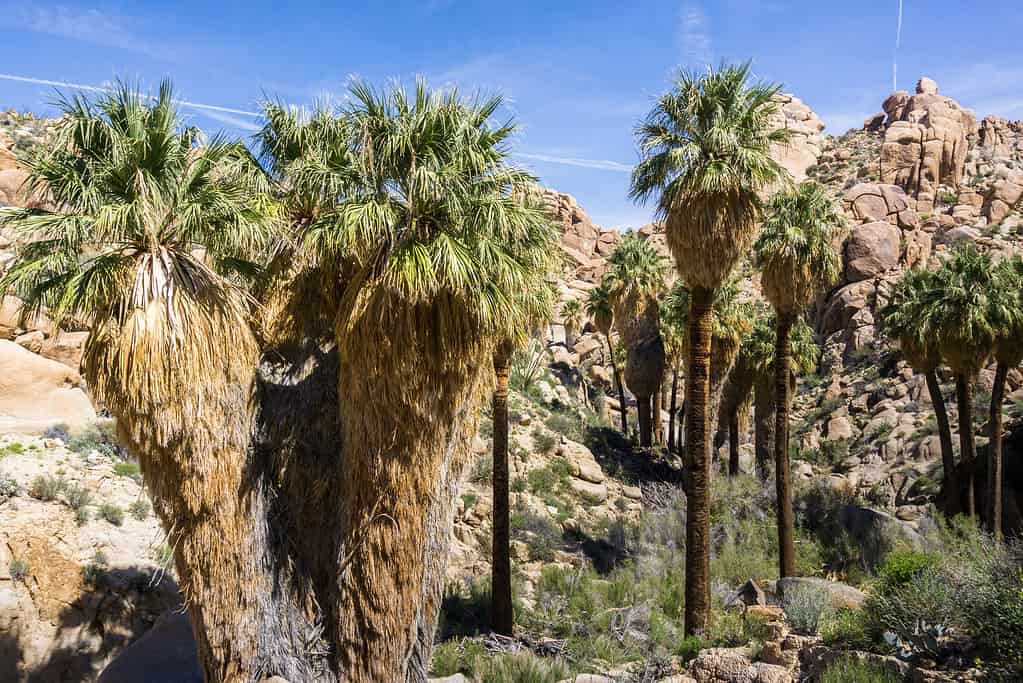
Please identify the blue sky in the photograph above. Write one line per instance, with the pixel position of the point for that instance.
(577, 74)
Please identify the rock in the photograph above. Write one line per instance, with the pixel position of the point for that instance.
(36, 393)
(589, 471)
(876, 531)
(841, 595)
(927, 86)
(33, 341)
(748, 594)
(733, 665)
(839, 428)
(805, 142)
(590, 492)
(958, 234)
(12, 187)
(816, 659)
(66, 348)
(872, 249)
(845, 303)
(588, 678)
(632, 492)
(165, 654)
(587, 346)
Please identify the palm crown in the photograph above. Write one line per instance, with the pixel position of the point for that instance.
(796, 248)
(705, 150)
(598, 307)
(905, 319)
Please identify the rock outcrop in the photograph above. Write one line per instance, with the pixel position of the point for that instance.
(36, 393)
(806, 140)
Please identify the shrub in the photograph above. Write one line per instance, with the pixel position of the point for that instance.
(19, 570)
(139, 510)
(543, 440)
(567, 425)
(469, 500)
(111, 513)
(77, 496)
(905, 612)
(127, 469)
(902, 566)
(688, 648)
(518, 485)
(60, 432)
(46, 488)
(732, 629)
(446, 660)
(853, 670)
(8, 488)
(806, 607)
(848, 628)
(541, 480)
(465, 609)
(539, 533)
(81, 516)
(482, 470)
(520, 667)
(99, 436)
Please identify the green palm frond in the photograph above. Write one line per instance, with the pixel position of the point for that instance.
(797, 248)
(758, 347)
(634, 268)
(599, 308)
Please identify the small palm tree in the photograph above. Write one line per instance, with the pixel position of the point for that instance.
(705, 150)
(600, 310)
(905, 320)
(796, 252)
(1007, 314)
(151, 227)
(674, 317)
(959, 313)
(572, 318)
(634, 279)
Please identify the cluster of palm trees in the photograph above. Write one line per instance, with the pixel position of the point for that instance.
(295, 345)
(963, 315)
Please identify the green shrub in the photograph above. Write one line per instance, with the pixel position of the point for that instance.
(902, 566)
(482, 470)
(127, 469)
(8, 488)
(539, 533)
(77, 496)
(541, 480)
(688, 648)
(847, 628)
(111, 513)
(543, 440)
(853, 670)
(520, 667)
(99, 436)
(905, 610)
(566, 425)
(46, 488)
(732, 629)
(139, 510)
(446, 660)
(518, 485)
(19, 570)
(469, 500)
(806, 607)
(465, 609)
(82, 516)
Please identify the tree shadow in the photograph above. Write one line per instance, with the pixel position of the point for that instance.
(619, 458)
(116, 607)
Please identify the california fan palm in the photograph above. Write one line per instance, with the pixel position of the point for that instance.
(601, 311)
(705, 150)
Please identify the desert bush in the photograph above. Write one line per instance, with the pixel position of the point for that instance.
(853, 670)
(520, 667)
(732, 629)
(8, 488)
(539, 533)
(127, 469)
(60, 432)
(688, 648)
(139, 510)
(82, 516)
(46, 488)
(905, 614)
(541, 480)
(543, 440)
(111, 513)
(446, 660)
(19, 570)
(806, 608)
(99, 436)
(848, 628)
(482, 470)
(465, 610)
(77, 496)
(902, 566)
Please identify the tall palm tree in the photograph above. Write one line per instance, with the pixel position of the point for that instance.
(905, 320)
(150, 228)
(600, 310)
(572, 318)
(959, 313)
(674, 317)
(796, 252)
(634, 279)
(1007, 314)
(705, 149)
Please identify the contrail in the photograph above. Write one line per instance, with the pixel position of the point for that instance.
(598, 164)
(895, 55)
(93, 88)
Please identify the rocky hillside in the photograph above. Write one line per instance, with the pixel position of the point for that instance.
(82, 563)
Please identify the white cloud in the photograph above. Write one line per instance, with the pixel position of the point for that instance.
(694, 34)
(597, 164)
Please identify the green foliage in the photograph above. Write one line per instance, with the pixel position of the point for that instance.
(732, 629)
(469, 499)
(112, 513)
(19, 570)
(520, 667)
(139, 510)
(806, 607)
(481, 472)
(77, 496)
(903, 566)
(446, 660)
(543, 440)
(848, 628)
(853, 670)
(8, 488)
(527, 367)
(82, 516)
(12, 449)
(465, 609)
(99, 436)
(46, 488)
(538, 532)
(688, 648)
(565, 424)
(127, 469)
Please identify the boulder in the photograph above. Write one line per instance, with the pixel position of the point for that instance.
(876, 531)
(65, 347)
(844, 304)
(872, 249)
(733, 665)
(842, 596)
(36, 393)
(165, 654)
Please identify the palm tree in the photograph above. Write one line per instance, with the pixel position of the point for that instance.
(904, 320)
(959, 313)
(796, 252)
(705, 149)
(1007, 314)
(572, 318)
(600, 310)
(674, 315)
(151, 226)
(634, 279)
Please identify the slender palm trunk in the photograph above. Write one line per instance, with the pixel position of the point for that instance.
(643, 409)
(948, 463)
(622, 408)
(733, 444)
(680, 437)
(994, 470)
(763, 416)
(967, 447)
(697, 461)
(658, 411)
(501, 616)
(783, 483)
(672, 407)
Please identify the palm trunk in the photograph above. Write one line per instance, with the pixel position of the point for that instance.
(643, 410)
(672, 407)
(733, 444)
(994, 470)
(948, 463)
(402, 461)
(967, 448)
(783, 483)
(763, 416)
(658, 411)
(621, 389)
(697, 461)
(680, 437)
(501, 616)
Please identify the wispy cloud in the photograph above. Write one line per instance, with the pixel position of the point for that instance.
(597, 164)
(209, 108)
(694, 34)
(88, 25)
(988, 88)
